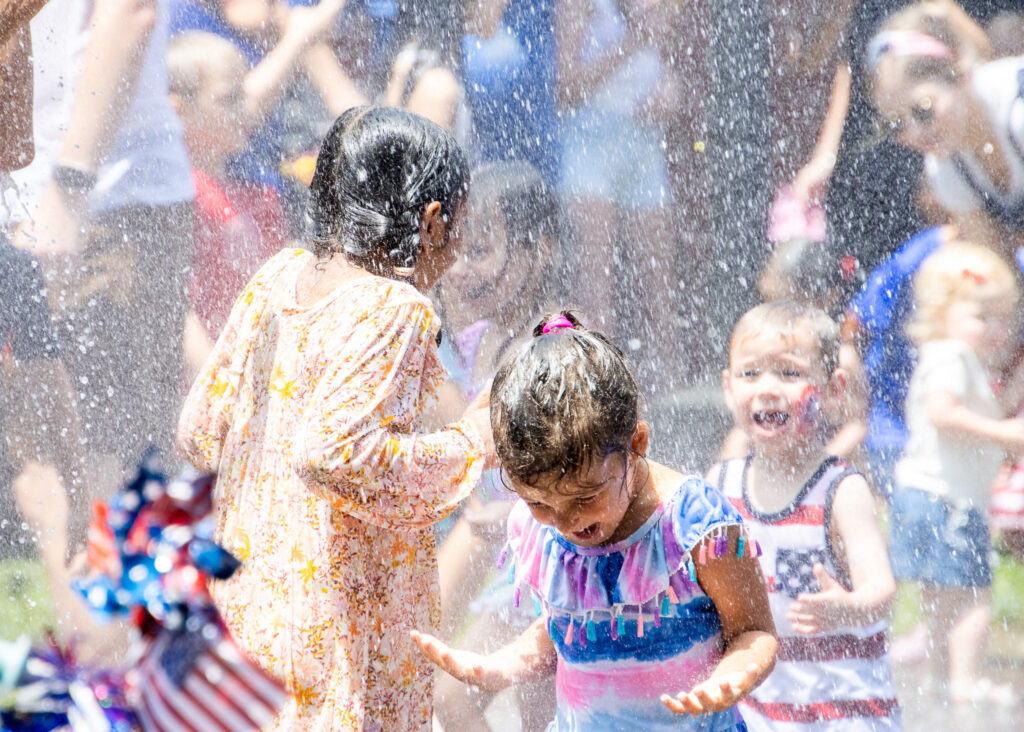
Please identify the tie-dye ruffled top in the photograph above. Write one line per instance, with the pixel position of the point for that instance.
(629, 620)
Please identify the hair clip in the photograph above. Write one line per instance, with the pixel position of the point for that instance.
(403, 271)
(848, 266)
(559, 321)
(979, 279)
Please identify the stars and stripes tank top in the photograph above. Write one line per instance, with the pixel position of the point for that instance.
(838, 681)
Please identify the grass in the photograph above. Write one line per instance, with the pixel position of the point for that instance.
(1007, 608)
(25, 606)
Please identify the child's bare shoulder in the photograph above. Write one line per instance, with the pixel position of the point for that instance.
(667, 480)
(853, 500)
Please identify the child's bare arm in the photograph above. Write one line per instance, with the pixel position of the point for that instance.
(811, 180)
(330, 79)
(301, 28)
(857, 539)
(529, 657)
(1011, 396)
(737, 588)
(949, 416)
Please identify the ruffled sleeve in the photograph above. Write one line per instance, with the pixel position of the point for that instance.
(644, 569)
(359, 437)
(699, 510)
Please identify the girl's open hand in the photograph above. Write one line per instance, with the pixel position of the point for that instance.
(470, 668)
(714, 695)
(822, 611)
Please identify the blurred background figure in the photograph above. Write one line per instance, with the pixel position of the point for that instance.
(423, 83)
(103, 212)
(958, 435)
(507, 277)
(934, 85)
(239, 224)
(617, 92)
(510, 68)
(106, 207)
(867, 182)
(294, 88)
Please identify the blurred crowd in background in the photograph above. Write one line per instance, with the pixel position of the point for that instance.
(660, 164)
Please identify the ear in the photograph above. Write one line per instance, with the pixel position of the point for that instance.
(433, 227)
(835, 389)
(175, 101)
(641, 439)
(727, 391)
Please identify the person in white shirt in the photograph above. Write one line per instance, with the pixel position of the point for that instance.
(965, 296)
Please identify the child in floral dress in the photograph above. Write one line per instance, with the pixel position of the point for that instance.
(309, 409)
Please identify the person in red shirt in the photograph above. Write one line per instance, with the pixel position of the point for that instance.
(239, 225)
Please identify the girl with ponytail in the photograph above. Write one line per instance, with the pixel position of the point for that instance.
(310, 412)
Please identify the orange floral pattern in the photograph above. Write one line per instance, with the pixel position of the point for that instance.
(327, 491)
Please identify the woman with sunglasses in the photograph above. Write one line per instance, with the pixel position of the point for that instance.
(941, 96)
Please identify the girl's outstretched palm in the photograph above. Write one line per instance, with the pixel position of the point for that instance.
(713, 695)
(470, 668)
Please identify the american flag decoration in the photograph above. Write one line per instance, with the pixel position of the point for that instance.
(152, 553)
(198, 681)
(794, 570)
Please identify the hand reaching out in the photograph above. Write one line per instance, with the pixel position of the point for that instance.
(479, 413)
(312, 23)
(470, 668)
(820, 611)
(713, 695)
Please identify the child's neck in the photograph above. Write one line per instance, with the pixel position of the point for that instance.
(774, 480)
(653, 480)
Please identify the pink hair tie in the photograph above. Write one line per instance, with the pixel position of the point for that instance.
(905, 43)
(559, 321)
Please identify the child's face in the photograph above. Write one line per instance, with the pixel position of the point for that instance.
(774, 386)
(586, 509)
(487, 278)
(982, 322)
(216, 119)
(929, 116)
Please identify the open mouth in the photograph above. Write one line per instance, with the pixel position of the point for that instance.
(588, 533)
(770, 419)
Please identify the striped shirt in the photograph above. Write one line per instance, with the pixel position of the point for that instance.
(839, 680)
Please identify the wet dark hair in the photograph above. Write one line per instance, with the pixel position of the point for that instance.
(378, 168)
(528, 204)
(560, 400)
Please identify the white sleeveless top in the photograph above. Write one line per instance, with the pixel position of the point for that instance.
(840, 680)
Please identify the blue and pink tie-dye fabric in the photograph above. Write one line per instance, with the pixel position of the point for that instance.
(612, 670)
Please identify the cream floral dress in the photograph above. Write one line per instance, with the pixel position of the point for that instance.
(327, 492)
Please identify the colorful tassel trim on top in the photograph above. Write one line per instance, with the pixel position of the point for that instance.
(718, 539)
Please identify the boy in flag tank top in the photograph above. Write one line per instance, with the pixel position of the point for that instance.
(813, 516)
